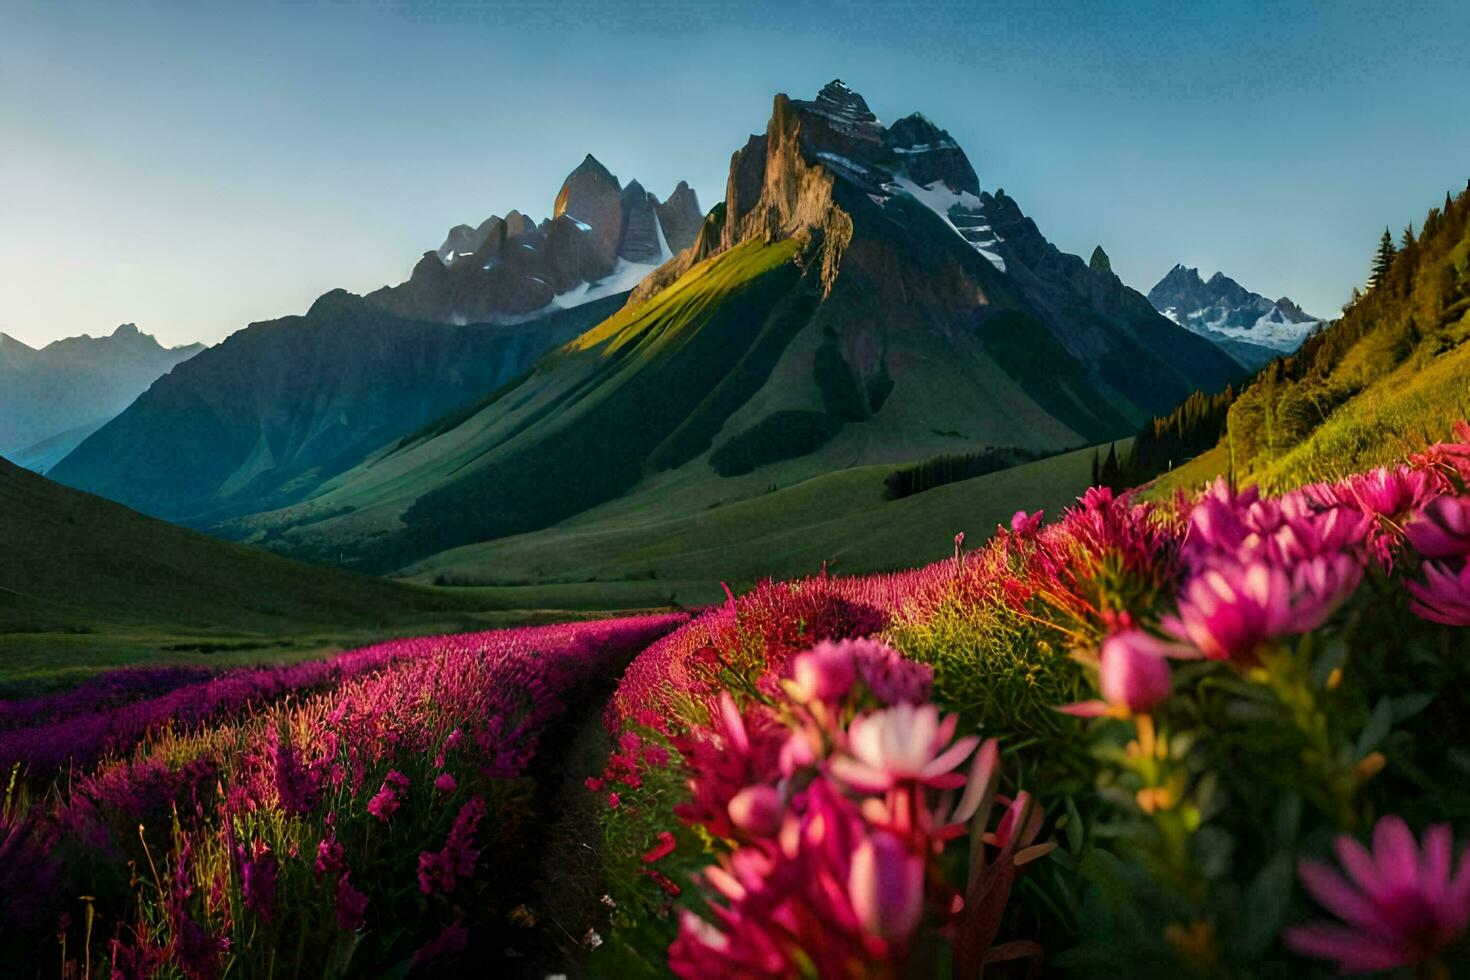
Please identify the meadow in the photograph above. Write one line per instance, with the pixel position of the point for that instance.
(1218, 734)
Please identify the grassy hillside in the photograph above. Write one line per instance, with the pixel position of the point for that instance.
(672, 541)
(87, 584)
(1384, 380)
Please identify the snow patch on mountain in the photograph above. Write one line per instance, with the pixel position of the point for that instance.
(961, 210)
(1221, 307)
(625, 276)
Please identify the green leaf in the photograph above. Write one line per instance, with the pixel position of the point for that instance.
(1266, 898)
(1407, 706)
(1074, 828)
(1377, 729)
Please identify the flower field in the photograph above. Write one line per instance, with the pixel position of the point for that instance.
(321, 819)
(1221, 735)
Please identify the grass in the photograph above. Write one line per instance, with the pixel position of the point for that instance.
(87, 585)
(1399, 414)
(673, 541)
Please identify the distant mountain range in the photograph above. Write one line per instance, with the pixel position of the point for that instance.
(601, 239)
(1246, 325)
(53, 398)
(263, 418)
(857, 298)
(282, 406)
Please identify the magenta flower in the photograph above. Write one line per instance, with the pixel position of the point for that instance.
(445, 783)
(756, 810)
(1228, 613)
(1026, 525)
(1444, 595)
(1133, 675)
(886, 887)
(385, 802)
(258, 879)
(1386, 492)
(1441, 529)
(826, 672)
(1399, 905)
(351, 906)
(331, 857)
(440, 870)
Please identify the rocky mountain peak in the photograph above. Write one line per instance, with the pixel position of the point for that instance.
(1224, 311)
(127, 330)
(339, 302)
(1100, 261)
(680, 217)
(843, 112)
(929, 153)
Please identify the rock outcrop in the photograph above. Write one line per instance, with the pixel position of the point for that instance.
(512, 268)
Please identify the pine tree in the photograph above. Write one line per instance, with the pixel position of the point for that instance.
(1408, 240)
(1383, 260)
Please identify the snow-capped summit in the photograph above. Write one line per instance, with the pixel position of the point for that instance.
(1222, 308)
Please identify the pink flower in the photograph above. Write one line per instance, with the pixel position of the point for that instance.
(1026, 525)
(1319, 587)
(1441, 529)
(1133, 675)
(1228, 613)
(440, 870)
(756, 810)
(351, 906)
(892, 677)
(1444, 595)
(886, 887)
(258, 878)
(902, 743)
(331, 857)
(385, 802)
(826, 672)
(1386, 492)
(445, 783)
(1399, 905)
(662, 849)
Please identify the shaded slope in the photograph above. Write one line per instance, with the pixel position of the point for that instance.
(70, 561)
(264, 417)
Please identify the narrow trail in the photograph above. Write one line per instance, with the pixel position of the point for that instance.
(544, 930)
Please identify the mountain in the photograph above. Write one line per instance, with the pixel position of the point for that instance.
(1230, 315)
(88, 581)
(260, 420)
(602, 238)
(1380, 382)
(858, 298)
(58, 395)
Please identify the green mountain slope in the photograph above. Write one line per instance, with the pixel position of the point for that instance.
(262, 419)
(86, 583)
(831, 314)
(1384, 380)
(676, 539)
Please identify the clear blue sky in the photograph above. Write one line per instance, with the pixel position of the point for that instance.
(194, 167)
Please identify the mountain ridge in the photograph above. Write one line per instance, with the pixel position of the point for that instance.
(831, 312)
(1227, 313)
(51, 396)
